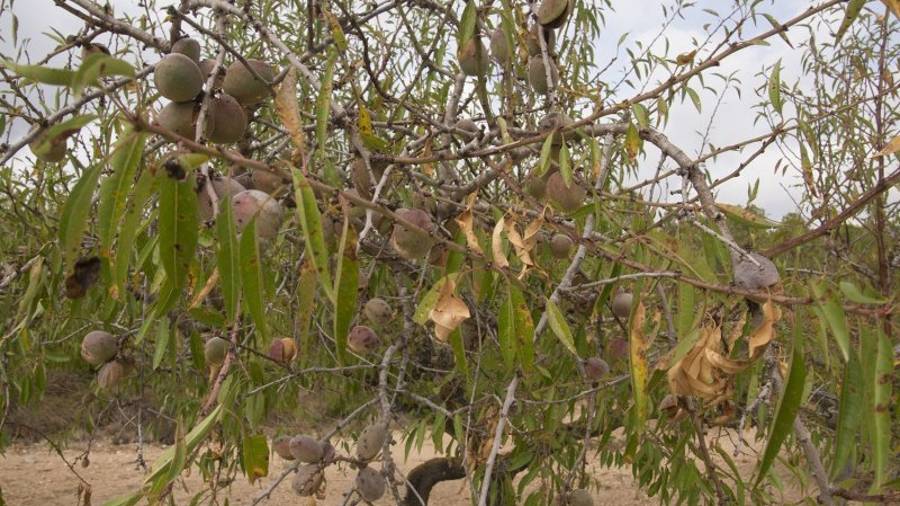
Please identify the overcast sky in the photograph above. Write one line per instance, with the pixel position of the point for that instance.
(642, 20)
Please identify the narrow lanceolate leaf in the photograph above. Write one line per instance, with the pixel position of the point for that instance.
(638, 345)
(632, 141)
(114, 190)
(289, 111)
(506, 332)
(851, 412)
(311, 222)
(746, 216)
(306, 306)
(131, 223)
(428, 301)
(75, 214)
(524, 335)
(252, 283)
(61, 130)
(546, 150)
(854, 294)
(37, 73)
(775, 87)
(560, 327)
(323, 109)
(641, 115)
(177, 228)
(255, 457)
(162, 343)
(346, 284)
(467, 22)
(884, 369)
(850, 15)
(564, 167)
(786, 411)
(831, 310)
(228, 260)
(98, 65)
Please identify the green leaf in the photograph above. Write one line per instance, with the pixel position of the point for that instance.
(506, 332)
(98, 65)
(255, 456)
(884, 368)
(560, 327)
(306, 306)
(775, 87)
(63, 129)
(831, 310)
(323, 110)
(564, 167)
(162, 343)
(228, 260)
(850, 15)
(177, 228)
(854, 294)
(311, 222)
(850, 415)
(787, 409)
(695, 98)
(524, 335)
(115, 188)
(134, 211)
(73, 219)
(163, 465)
(546, 150)
(746, 216)
(37, 73)
(252, 283)
(641, 115)
(467, 23)
(346, 287)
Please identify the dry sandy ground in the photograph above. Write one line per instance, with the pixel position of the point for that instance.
(34, 475)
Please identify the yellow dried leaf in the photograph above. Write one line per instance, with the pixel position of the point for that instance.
(764, 333)
(890, 148)
(497, 244)
(522, 250)
(686, 58)
(894, 5)
(466, 223)
(289, 112)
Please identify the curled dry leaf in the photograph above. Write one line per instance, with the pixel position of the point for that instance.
(289, 112)
(449, 311)
(466, 222)
(706, 372)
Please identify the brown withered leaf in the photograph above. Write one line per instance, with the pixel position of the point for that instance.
(289, 112)
(449, 311)
(466, 221)
(686, 58)
(764, 333)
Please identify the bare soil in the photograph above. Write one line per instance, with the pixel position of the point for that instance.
(34, 475)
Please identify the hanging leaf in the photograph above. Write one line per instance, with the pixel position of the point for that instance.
(890, 148)
(252, 282)
(833, 313)
(255, 457)
(162, 343)
(428, 301)
(695, 98)
(638, 346)
(632, 141)
(289, 111)
(506, 332)
(131, 222)
(60, 131)
(775, 87)
(73, 219)
(449, 311)
(850, 414)
(884, 369)
(115, 188)
(306, 306)
(346, 285)
(228, 260)
(177, 228)
(524, 327)
(499, 256)
(560, 327)
(95, 66)
(311, 222)
(564, 167)
(786, 411)
(850, 15)
(641, 114)
(546, 150)
(467, 23)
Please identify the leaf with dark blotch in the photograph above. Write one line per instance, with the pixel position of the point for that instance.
(84, 276)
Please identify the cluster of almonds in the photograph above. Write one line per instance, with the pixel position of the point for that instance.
(101, 348)
(552, 14)
(316, 455)
(362, 338)
(180, 77)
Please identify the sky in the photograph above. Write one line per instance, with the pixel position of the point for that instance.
(641, 19)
